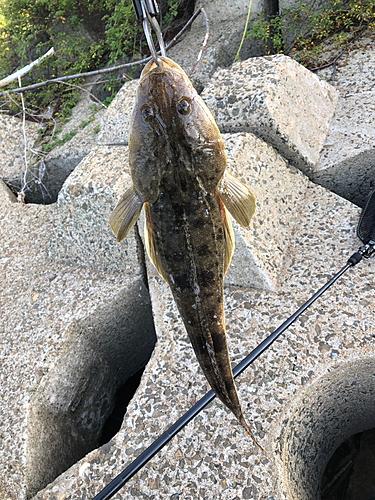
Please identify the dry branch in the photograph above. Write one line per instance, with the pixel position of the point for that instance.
(23, 71)
(107, 70)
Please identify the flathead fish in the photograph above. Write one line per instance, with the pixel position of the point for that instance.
(177, 162)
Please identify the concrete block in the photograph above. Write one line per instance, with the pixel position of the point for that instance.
(281, 393)
(70, 336)
(6, 195)
(347, 162)
(46, 172)
(278, 100)
(278, 188)
(334, 408)
(81, 233)
(114, 127)
(216, 8)
(220, 51)
(12, 161)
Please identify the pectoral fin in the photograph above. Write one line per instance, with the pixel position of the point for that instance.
(126, 213)
(228, 234)
(238, 199)
(150, 243)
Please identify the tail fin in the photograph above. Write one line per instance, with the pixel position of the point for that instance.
(244, 424)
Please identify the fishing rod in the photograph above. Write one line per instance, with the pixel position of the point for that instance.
(366, 233)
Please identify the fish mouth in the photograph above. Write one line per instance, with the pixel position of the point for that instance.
(165, 64)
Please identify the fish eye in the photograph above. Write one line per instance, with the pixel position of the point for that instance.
(147, 113)
(184, 107)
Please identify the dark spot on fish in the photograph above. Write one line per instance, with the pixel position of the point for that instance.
(196, 223)
(177, 257)
(178, 211)
(206, 277)
(181, 282)
(184, 107)
(203, 250)
(219, 234)
(147, 113)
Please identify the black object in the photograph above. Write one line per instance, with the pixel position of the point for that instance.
(150, 5)
(366, 225)
(366, 233)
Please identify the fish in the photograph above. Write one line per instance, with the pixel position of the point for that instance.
(178, 169)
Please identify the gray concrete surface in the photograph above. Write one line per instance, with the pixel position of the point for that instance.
(76, 305)
(211, 458)
(47, 169)
(70, 336)
(277, 99)
(347, 163)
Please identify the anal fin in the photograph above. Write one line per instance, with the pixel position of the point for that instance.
(150, 243)
(228, 234)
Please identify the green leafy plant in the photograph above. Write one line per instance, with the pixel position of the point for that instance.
(121, 29)
(86, 34)
(301, 30)
(84, 123)
(171, 12)
(30, 27)
(270, 32)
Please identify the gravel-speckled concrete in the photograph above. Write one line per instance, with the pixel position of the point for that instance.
(81, 233)
(114, 127)
(277, 99)
(12, 149)
(211, 458)
(347, 163)
(70, 336)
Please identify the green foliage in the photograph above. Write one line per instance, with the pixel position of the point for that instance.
(47, 147)
(30, 27)
(121, 29)
(50, 22)
(171, 13)
(86, 34)
(270, 32)
(84, 123)
(305, 29)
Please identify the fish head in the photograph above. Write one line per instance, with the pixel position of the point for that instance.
(172, 128)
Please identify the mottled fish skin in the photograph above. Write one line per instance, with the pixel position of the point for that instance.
(177, 161)
(163, 140)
